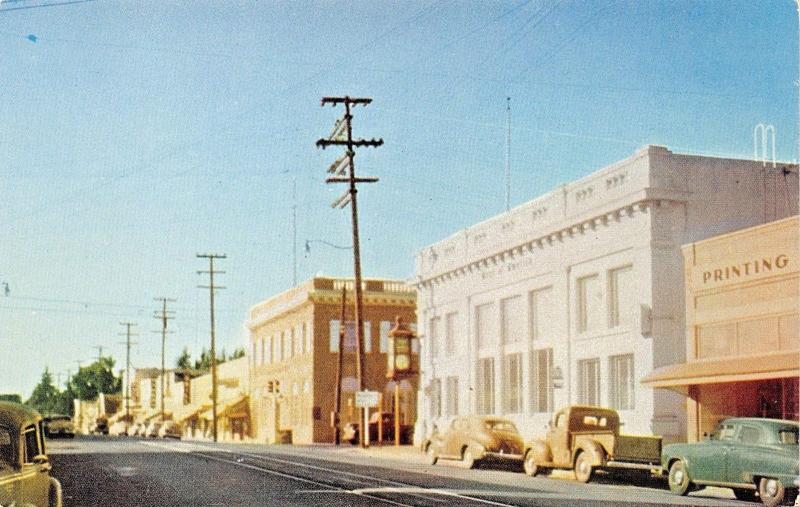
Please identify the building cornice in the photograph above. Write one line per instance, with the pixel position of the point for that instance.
(554, 237)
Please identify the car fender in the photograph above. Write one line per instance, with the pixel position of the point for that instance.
(541, 451)
(594, 449)
(477, 449)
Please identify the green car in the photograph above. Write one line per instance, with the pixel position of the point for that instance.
(748, 455)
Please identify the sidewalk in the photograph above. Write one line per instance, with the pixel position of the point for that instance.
(402, 453)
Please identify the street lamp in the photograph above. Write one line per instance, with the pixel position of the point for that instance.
(400, 365)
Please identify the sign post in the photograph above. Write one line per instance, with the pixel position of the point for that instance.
(366, 400)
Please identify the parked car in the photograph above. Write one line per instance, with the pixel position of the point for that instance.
(24, 465)
(351, 433)
(749, 455)
(474, 438)
(170, 429)
(101, 426)
(58, 426)
(587, 438)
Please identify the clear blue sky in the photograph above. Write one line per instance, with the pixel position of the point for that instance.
(135, 134)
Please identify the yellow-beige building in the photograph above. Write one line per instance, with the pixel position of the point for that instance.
(294, 339)
(743, 336)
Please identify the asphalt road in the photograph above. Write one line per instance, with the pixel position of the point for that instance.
(97, 471)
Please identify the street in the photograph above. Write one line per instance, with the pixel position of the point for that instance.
(128, 471)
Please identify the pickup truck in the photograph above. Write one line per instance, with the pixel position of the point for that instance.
(587, 439)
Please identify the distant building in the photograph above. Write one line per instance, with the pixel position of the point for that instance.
(742, 327)
(575, 296)
(294, 340)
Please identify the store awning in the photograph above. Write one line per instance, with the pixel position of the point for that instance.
(732, 369)
(236, 408)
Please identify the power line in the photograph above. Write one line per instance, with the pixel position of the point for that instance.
(40, 6)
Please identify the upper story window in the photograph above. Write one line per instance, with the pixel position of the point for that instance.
(541, 313)
(589, 305)
(485, 325)
(449, 332)
(433, 340)
(512, 319)
(620, 296)
(386, 326)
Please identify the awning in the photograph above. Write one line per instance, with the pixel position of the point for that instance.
(236, 408)
(197, 412)
(732, 369)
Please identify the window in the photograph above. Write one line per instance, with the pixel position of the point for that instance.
(308, 337)
(620, 300)
(512, 384)
(541, 315)
(451, 408)
(749, 435)
(385, 327)
(262, 352)
(433, 341)
(349, 336)
(334, 336)
(589, 299)
(621, 374)
(512, 317)
(288, 343)
(436, 397)
(486, 385)
(449, 333)
(484, 324)
(589, 382)
(724, 432)
(270, 357)
(541, 380)
(31, 444)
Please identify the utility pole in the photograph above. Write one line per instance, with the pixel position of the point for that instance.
(164, 316)
(99, 352)
(294, 232)
(128, 344)
(342, 135)
(338, 397)
(211, 288)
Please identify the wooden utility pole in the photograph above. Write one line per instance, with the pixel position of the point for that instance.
(211, 288)
(99, 352)
(128, 344)
(342, 135)
(337, 405)
(164, 316)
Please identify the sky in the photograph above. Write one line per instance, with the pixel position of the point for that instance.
(136, 134)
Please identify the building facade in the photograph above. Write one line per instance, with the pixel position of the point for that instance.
(742, 327)
(575, 296)
(294, 343)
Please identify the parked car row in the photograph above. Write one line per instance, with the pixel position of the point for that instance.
(24, 465)
(757, 458)
(155, 429)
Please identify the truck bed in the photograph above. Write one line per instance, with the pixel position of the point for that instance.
(638, 449)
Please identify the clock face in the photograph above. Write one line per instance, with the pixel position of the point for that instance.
(401, 362)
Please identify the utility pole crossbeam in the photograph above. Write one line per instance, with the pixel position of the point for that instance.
(164, 316)
(128, 344)
(211, 288)
(344, 137)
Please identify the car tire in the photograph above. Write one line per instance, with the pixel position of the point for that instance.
(678, 478)
(430, 452)
(583, 467)
(529, 464)
(54, 495)
(745, 495)
(468, 459)
(771, 491)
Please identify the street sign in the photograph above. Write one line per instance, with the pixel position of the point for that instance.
(366, 399)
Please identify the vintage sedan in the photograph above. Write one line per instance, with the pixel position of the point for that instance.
(58, 426)
(749, 455)
(474, 438)
(24, 466)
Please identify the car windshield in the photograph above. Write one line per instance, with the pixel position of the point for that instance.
(500, 426)
(60, 418)
(788, 436)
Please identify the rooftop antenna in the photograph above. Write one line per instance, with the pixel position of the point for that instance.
(508, 152)
(764, 131)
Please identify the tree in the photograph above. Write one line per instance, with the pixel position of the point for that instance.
(204, 363)
(96, 378)
(239, 352)
(16, 398)
(184, 361)
(45, 396)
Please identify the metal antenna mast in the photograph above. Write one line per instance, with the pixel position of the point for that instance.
(508, 153)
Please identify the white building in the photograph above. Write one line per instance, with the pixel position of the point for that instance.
(576, 295)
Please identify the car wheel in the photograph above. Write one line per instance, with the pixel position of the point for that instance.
(468, 459)
(678, 478)
(530, 466)
(771, 491)
(583, 467)
(431, 454)
(746, 495)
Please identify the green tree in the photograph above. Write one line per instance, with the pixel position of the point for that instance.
(184, 361)
(45, 395)
(96, 378)
(16, 398)
(204, 362)
(239, 352)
